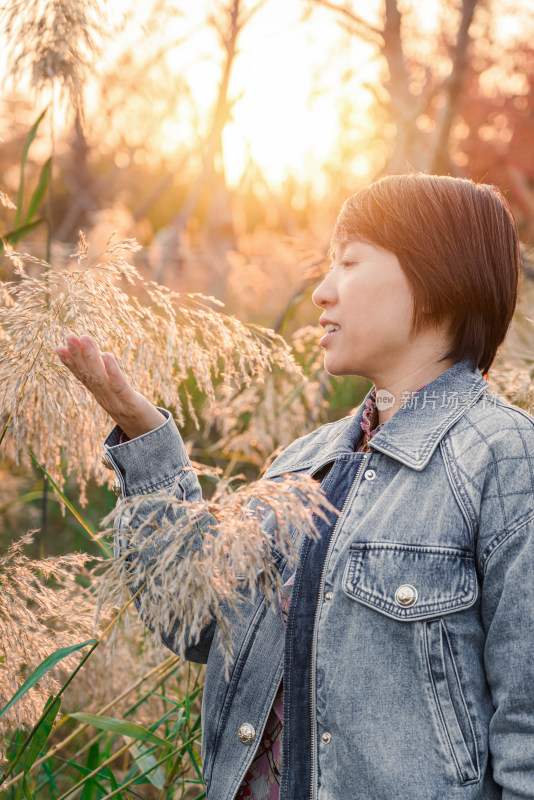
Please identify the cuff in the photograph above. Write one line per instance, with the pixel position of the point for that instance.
(149, 461)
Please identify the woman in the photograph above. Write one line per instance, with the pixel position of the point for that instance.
(404, 647)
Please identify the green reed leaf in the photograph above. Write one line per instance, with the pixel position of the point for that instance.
(123, 727)
(45, 666)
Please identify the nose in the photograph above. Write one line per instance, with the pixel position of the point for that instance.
(325, 293)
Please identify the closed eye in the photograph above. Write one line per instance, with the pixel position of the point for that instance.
(343, 264)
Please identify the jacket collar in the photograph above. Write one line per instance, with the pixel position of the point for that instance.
(410, 436)
(413, 432)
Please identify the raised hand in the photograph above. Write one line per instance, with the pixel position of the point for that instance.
(101, 375)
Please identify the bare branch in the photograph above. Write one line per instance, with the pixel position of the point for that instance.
(393, 52)
(245, 18)
(357, 23)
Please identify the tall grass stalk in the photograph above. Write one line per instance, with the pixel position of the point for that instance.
(168, 668)
(112, 758)
(83, 660)
(168, 664)
(67, 502)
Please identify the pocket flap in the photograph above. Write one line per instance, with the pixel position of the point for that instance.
(407, 581)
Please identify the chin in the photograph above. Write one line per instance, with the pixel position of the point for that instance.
(336, 370)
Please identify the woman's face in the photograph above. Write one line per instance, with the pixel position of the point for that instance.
(367, 294)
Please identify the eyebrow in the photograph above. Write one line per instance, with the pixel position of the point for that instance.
(345, 246)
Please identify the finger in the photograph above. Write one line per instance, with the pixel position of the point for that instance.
(71, 337)
(73, 342)
(91, 375)
(76, 362)
(91, 362)
(117, 381)
(64, 355)
(70, 361)
(91, 353)
(74, 348)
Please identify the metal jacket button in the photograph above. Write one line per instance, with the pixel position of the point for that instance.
(106, 462)
(116, 487)
(326, 737)
(246, 733)
(370, 475)
(406, 595)
(328, 597)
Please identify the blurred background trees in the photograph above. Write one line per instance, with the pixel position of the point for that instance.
(192, 125)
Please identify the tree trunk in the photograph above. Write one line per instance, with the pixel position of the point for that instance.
(454, 84)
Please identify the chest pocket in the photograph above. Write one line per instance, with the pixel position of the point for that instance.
(424, 582)
(410, 582)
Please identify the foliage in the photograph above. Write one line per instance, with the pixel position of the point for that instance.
(36, 617)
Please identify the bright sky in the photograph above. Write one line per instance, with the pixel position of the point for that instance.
(287, 78)
(287, 115)
(287, 75)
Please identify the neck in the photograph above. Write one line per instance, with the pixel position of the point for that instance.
(394, 389)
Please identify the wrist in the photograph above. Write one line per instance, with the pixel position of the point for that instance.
(132, 428)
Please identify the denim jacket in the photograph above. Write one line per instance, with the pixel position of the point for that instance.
(408, 657)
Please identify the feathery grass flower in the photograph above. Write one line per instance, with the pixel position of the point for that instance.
(55, 41)
(256, 422)
(158, 336)
(42, 608)
(202, 560)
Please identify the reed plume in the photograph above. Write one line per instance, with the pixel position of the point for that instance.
(513, 382)
(54, 41)
(512, 373)
(157, 335)
(202, 560)
(256, 422)
(42, 608)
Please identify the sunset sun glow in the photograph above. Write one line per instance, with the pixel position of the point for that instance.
(286, 102)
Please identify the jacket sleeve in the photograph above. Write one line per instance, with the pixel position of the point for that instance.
(143, 465)
(508, 619)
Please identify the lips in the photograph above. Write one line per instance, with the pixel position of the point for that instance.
(330, 328)
(324, 321)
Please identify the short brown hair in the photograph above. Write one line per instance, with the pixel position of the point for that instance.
(458, 246)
